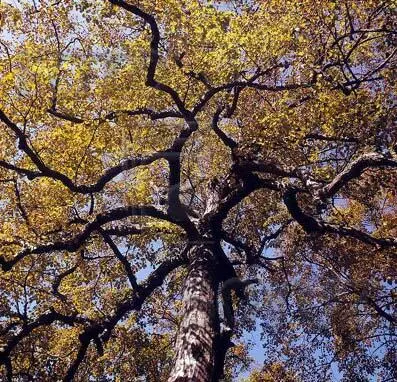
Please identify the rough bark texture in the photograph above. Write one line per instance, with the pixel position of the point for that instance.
(197, 332)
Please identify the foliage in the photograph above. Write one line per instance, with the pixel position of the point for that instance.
(135, 131)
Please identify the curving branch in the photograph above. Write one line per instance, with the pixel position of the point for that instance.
(152, 114)
(72, 245)
(227, 141)
(313, 225)
(245, 84)
(45, 319)
(238, 286)
(22, 171)
(97, 332)
(172, 155)
(101, 332)
(58, 281)
(154, 55)
(45, 171)
(354, 170)
(248, 183)
(112, 115)
(123, 260)
(175, 207)
(230, 109)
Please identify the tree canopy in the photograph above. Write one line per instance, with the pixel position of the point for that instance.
(176, 173)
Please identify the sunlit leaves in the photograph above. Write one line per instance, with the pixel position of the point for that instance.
(308, 87)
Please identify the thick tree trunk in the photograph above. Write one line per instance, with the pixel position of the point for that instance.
(194, 359)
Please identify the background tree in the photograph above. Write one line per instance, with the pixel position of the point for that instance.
(158, 157)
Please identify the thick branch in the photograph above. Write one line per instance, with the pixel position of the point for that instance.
(76, 242)
(313, 225)
(153, 115)
(173, 156)
(99, 331)
(227, 141)
(269, 168)
(154, 55)
(45, 319)
(354, 170)
(102, 331)
(45, 171)
(249, 183)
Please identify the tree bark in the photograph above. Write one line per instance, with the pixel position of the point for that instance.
(194, 360)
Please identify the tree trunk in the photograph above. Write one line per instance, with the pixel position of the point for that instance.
(194, 360)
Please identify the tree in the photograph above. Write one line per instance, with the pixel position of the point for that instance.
(241, 154)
